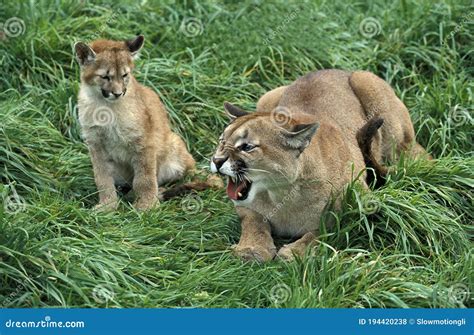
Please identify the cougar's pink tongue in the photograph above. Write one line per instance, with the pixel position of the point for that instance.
(233, 189)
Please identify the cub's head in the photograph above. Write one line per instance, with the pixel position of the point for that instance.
(261, 149)
(106, 66)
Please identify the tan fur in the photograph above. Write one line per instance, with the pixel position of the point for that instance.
(293, 180)
(129, 138)
(269, 101)
(379, 100)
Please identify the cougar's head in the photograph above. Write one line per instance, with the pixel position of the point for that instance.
(106, 66)
(259, 149)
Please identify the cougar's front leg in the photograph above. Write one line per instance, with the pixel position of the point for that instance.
(145, 183)
(297, 248)
(256, 242)
(103, 179)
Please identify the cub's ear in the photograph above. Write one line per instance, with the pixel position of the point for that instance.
(134, 45)
(234, 111)
(84, 53)
(300, 135)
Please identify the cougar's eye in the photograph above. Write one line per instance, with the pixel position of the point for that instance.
(105, 77)
(247, 147)
(125, 75)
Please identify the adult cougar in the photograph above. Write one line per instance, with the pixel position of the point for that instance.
(286, 161)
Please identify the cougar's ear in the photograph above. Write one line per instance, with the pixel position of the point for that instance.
(84, 53)
(299, 136)
(234, 111)
(134, 45)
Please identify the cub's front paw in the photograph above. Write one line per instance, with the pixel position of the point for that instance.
(106, 207)
(298, 248)
(215, 181)
(287, 253)
(254, 253)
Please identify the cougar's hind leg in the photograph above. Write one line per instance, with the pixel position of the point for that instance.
(379, 99)
(269, 101)
(178, 162)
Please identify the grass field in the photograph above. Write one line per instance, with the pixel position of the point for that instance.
(407, 244)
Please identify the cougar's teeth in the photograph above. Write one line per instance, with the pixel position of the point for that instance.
(239, 194)
(234, 179)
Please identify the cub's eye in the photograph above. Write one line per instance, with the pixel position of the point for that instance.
(105, 77)
(247, 147)
(125, 75)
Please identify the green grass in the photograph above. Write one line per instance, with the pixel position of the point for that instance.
(412, 248)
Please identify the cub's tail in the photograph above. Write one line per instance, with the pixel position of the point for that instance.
(194, 186)
(365, 137)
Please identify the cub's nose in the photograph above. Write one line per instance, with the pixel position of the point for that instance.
(217, 163)
(105, 93)
(117, 95)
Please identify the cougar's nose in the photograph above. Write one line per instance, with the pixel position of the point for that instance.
(117, 95)
(217, 162)
(105, 93)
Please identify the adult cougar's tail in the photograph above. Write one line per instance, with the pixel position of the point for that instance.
(365, 137)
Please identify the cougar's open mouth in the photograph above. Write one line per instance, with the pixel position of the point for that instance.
(238, 188)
